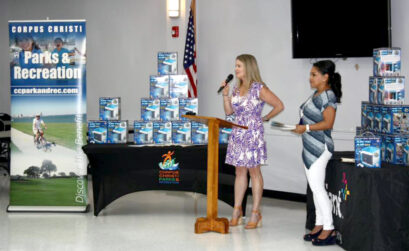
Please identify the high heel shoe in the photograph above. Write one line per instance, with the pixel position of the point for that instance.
(330, 240)
(310, 237)
(239, 220)
(252, 224)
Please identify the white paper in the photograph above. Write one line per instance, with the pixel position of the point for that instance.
(282, 126)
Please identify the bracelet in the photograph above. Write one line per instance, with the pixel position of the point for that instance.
(225, 95)
(307, 128)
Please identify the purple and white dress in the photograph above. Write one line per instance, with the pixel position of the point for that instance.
(247, 148)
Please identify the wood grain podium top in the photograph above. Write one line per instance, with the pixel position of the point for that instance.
(205, 120)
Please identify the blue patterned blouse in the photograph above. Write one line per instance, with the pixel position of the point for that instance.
(311, 113)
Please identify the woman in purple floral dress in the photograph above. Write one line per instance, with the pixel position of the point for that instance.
(247, 148)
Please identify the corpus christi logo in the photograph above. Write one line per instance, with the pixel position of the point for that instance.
(345, 192)
(168, 163)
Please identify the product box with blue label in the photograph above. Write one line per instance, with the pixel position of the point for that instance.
(167, 63)
(162, 132)
(370, 117)
(387, 62)
(159, 87)
(364, 122)
(394, 149)
(109, 108)
(404, 125)
(178, 86)
(391, 91)
(143, 132)
(181, 132)
(150, 109)
(117, 131)
(169, 109)
(97, 131)
(224, 135)
(383, 146)
(378, 118)
(391, 119)
(368, 151)
(367, 116)
(400, 119)
(405, 150)
(187, 105)
(373, 89)
(200, 133)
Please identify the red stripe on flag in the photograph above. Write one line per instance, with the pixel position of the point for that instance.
(192, 82)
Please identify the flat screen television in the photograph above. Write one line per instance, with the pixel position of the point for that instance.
(339, 28)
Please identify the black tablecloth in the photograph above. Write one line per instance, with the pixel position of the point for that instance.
(120, 169)
(375, 213)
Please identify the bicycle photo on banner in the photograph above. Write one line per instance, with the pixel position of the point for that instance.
(48, 107)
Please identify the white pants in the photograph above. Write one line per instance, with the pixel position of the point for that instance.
(316, 180)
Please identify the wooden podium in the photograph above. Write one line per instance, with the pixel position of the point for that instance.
(211, 222)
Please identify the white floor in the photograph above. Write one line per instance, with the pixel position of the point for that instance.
(151, 220)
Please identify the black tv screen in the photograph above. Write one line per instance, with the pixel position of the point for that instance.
(339, 28)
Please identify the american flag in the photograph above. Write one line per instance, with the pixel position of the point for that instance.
(189, 59)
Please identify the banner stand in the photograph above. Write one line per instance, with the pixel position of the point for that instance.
(49, 209)
(48, 169)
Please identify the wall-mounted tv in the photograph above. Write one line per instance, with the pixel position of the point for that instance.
(339, 28)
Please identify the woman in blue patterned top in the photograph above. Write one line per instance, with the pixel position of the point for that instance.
(317, 120)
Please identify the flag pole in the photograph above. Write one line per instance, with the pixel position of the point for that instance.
(194, 18)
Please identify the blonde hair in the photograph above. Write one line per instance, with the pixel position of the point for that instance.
(251, 69)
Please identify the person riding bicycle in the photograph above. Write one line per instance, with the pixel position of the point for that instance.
(38, 123)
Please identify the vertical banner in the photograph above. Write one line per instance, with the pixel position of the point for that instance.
(48, 108)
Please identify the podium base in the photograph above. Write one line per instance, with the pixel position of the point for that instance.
(203, 225)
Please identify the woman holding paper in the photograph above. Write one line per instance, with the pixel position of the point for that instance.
(247, 149)
(317, 119)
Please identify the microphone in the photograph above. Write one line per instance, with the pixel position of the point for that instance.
(228, 79)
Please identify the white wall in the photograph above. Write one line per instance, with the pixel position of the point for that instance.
(263, 28)
(124, 37)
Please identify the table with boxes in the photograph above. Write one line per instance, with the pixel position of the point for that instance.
(370, 203)
(118, 168)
